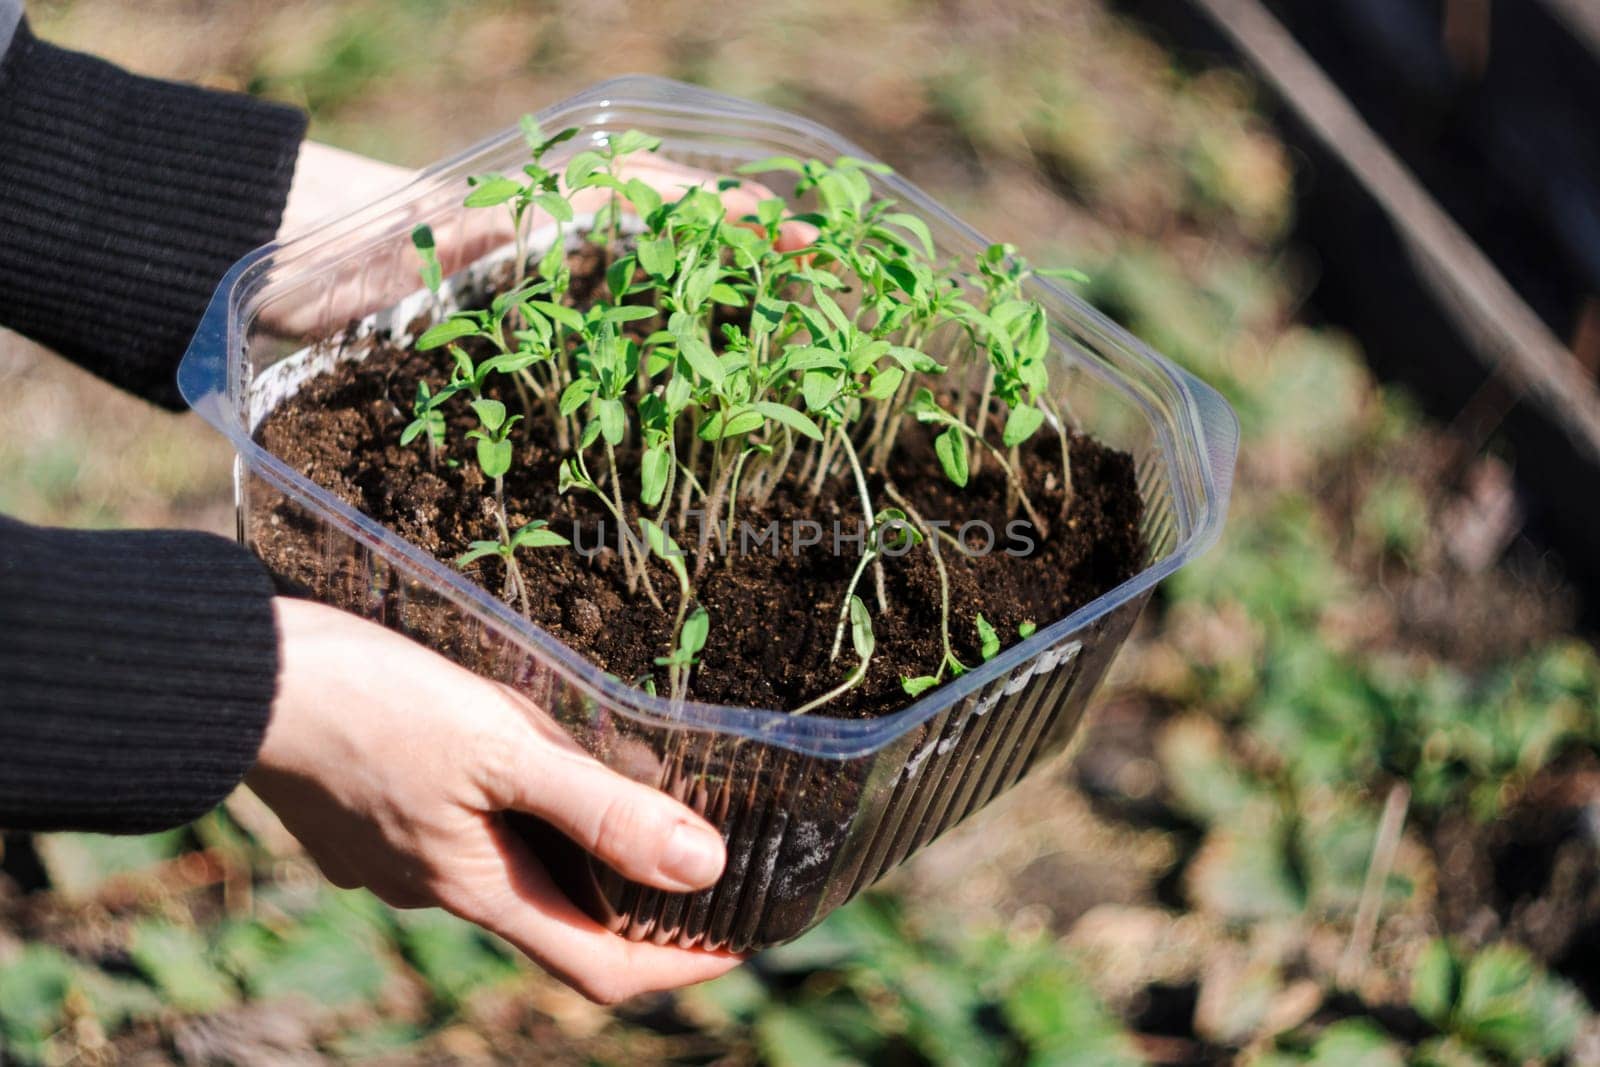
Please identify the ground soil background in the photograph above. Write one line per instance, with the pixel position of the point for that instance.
(1372, 646)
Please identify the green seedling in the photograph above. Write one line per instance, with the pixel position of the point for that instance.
(431, 272)
(535, 534)
(730, 368)
(428, 421)
(988, 639)
(864, 643)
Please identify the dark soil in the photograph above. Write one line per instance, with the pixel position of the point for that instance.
(772, 615)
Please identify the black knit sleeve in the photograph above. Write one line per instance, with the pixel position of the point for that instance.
(123, 201)
(137, 670)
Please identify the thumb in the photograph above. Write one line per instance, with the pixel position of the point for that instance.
(640, 832)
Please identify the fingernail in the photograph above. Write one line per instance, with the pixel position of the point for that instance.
(694, 855)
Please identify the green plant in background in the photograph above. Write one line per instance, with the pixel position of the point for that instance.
(1494, 1003)
(730, 366)
(865, 987)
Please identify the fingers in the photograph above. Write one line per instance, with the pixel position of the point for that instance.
(528, 910)
(638, 831)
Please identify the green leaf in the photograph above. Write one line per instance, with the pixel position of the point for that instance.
(34, 985)
(727, 295)
(725, 424)
(537, 534)
(422, 240)
(666, 549)
(494, 456)
(771, 163)
(952, 453)
(628, 313)
(491, 191)
(916, 226)
(701, 359)
(1027, 629)
(988, 639)
(1435, 983)
(479, 550)
(917, 686)
(645, 200)
(441, 334)
(810, 357)
(789, 417)
(1068, 274)
(577, 394)
(884, 384)
(555, 205)
(819, 388)
(176, 959)
(654, 467)
(455, 957)
(861, 636)
(658, 256)
(1023, 422)
(914, 361)
(491, 413)
(630, 141)
(571, 318)
(613, 420)
(581, 166)
(695, 630)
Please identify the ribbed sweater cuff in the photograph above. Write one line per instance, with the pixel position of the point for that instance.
(137, 671)
(123, 201)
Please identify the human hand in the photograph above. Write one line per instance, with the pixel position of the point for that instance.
(393, 766)
(330, 182)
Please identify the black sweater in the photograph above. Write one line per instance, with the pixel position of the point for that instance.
(137, 669)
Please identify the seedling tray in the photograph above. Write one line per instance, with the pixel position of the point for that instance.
(813, 808)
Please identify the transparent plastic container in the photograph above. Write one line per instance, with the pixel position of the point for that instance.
(813, 808)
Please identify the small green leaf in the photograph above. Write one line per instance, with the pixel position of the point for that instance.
(491, 191)
(658, 256)
(1023, 422)
(727, 295)
(771, 163)
(695, 630)
(491, 413)
(537, 534)
(645, 200)
(1027, 629)
(577, 394)
(952, 453)
(725, 424)
(988, 639)
(422, 239)
(701, 358)
(628, 313)
(494, 457)
(861, 636)
(555, 205)
(443, 333)
(654, 467)
(1435, 983)
(571, 318)
(789, 417)
(613, 420)
(667, 550)
(884, 384)
(478, 550)
(917, 686)
(916, 226)
(819, 388)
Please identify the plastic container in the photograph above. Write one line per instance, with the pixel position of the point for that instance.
(813, 809)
